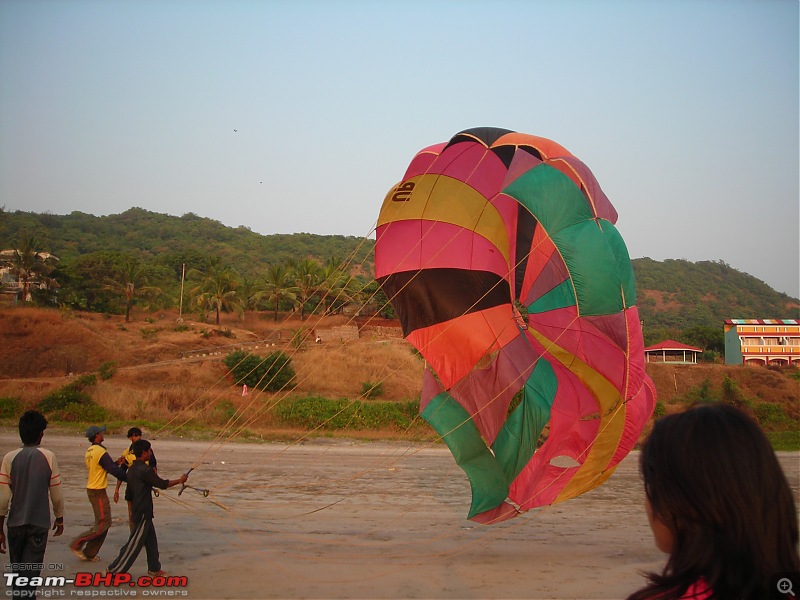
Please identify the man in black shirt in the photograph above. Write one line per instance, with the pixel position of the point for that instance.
(141, 481)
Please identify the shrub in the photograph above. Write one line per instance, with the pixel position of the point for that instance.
(372, 390)
(700, 393)
(770, 415)
(80, 412)
(107, 370)
(314, 412)
(10, 407)
(224, 411)
(660, 409)
(273, 373)
(731, 394)
(61, 398)
(74, 393)
(149, 334)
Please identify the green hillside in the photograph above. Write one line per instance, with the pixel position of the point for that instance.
(679, 294)
(674, 295)
(154, 236)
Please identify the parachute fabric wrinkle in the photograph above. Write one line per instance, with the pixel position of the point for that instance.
(500, 255)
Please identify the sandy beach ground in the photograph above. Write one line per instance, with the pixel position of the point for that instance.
(343, 519)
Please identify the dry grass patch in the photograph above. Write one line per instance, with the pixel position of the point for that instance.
(339, 370)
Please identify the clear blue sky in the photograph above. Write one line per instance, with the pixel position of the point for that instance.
(686, 111)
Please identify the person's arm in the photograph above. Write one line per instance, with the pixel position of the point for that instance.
(111, 467)
(173, 482)
(153, 462)
(56, 496)
(153, 479)
(5, 499)
(116, 490)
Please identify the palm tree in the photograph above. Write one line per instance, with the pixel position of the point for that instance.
(130, 281)
(307, 277)
(333, 286)
(250, 294)
(279, 286)
(217, 287)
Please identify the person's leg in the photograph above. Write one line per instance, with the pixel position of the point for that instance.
(130, 551)
(151, 547)
(79, 542)
(130, 516)
(102, 522)
(26, 546)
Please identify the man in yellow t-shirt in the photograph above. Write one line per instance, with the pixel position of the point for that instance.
(99, 464)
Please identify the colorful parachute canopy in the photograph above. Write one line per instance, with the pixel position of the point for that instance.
(499, 254)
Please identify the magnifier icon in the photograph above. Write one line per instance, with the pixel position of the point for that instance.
(785, 586)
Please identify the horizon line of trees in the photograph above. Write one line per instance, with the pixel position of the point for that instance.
(115, 282)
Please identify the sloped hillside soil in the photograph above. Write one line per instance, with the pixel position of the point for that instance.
(172, 370)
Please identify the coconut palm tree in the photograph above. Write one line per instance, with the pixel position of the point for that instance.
(307, 277)
(250, 293)
(217, 287)
(279, 286)
(333, 285)
(130, 281)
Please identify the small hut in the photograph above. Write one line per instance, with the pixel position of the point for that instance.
(672, 352)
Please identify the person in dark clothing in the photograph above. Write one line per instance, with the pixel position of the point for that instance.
(719, 505)
(125, 461)
(28, 476)
(141, 481)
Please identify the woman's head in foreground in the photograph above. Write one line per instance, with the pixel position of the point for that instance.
(719, 504)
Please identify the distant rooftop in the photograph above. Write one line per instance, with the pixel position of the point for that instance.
(762, 322)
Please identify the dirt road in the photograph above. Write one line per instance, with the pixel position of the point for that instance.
(340, 519)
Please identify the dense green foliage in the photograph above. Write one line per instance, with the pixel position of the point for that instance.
(273, 372)
(169, 241)
(315, 412)
(111, 263)
(678, 295)
(72, 402)
(10, 407)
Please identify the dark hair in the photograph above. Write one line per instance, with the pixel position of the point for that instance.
(713, 480)
(31, 426)
(139, 447)
(134, 431)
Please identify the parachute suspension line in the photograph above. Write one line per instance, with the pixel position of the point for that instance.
(269, 406)
(235, 417)
(187, 408)
(239, 414)
(257, 393)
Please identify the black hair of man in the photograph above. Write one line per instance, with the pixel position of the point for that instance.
(139, 447)
(31, 427)
(134, 431)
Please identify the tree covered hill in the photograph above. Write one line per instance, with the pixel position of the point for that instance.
(673, 295)
(148, 235)
(679, 294)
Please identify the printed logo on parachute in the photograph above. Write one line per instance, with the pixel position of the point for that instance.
(402, 193)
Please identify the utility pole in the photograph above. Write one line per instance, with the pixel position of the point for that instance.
(180, 310)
